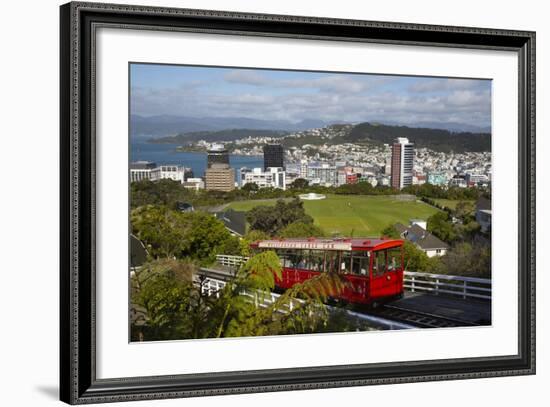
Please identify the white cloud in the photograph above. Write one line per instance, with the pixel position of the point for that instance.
(247, 77)
(442, 84)
(333, 98)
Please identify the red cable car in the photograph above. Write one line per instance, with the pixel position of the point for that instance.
(373, 267)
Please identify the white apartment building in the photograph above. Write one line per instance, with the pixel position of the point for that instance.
(173, 172)
(303, 169)
(273, 177)
(476, 178)
(341, 177)
(141, 170)
(194, 183)
(323, 174)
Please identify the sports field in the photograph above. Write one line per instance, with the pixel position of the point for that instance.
(355, 215)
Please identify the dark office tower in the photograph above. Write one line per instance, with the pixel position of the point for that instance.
(273, 156)
(217, 155)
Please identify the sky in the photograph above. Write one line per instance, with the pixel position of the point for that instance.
(193, 91)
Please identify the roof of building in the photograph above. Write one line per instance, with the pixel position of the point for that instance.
(142, 165)
(184, 206)
(421, 237)
(430, 242)
(234, 221)
(400, 228)
(483, 204)
(138, 253)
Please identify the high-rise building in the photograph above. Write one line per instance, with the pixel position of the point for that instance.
(273, 156)
(402, 157)
(220, 177)
(217, 155)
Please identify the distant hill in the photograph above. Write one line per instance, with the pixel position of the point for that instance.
(454, 127)
(165, 125)
(435, 139)
(222, 135)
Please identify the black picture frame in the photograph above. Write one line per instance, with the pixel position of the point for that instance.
(78, 382)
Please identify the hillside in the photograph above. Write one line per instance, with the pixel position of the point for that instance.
(364, 133)
(225, 135)
(434, 139)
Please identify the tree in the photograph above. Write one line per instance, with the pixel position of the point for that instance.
(232, 246)
(161, 230)
(465, 259)
(300, 229)
(271, 219)
(440, 225)
(162, 192)
(207, 237)
(177, 309)
(164, 288)
(250, 187)
(391, 232)
(169, 233)
(464, 209)
(415, 258)
(299, 183)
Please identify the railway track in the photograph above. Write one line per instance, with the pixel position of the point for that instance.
(418, 319)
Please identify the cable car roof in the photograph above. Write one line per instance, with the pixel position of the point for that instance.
(328, 244)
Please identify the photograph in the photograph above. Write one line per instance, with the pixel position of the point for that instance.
(255, 202)
(269, 202)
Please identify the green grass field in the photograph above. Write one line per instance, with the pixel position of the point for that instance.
(355, 215)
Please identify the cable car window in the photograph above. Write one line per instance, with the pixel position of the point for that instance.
(329, 261)
(361, 261)
(296, 259)
(379, 263)
(332, 262)
(345, 263)
(356, 266)
(365, 264)
(283, 258)
(315, 260)
(395, 259)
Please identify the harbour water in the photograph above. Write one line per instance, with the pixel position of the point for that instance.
(166, 154)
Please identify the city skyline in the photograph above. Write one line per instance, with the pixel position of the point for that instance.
(294, 96)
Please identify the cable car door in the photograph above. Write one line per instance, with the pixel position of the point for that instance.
(383, 282)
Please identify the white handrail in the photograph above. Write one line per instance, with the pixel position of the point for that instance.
(465, 287)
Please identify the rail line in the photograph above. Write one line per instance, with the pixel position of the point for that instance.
(418, 319)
